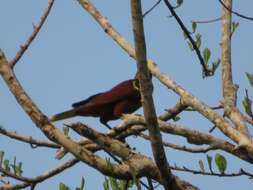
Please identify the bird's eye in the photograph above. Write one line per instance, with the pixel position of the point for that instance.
(136, 85)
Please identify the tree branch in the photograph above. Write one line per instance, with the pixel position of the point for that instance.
(192, 136)
(182, 148)
(146, 90)
(206, 71)
(141, 165)
(190, 100)
(30, 140)
(197, 172)
(36, 29)
(229, 89)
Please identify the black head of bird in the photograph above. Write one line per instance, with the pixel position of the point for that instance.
(110, 105)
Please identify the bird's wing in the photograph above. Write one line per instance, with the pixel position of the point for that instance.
(83, 102)
(117, 93)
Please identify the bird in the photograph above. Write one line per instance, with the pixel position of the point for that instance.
(110, 105)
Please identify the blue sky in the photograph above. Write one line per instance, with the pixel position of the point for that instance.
(72, 58)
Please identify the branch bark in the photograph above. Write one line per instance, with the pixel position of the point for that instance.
(229, 89)
(146, 90)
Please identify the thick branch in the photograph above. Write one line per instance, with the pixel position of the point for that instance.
(141, 165)
(108, 28)
(192, 136)
(146, 90)
(229, 89)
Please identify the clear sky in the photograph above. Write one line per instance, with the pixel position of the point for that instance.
(72, 58)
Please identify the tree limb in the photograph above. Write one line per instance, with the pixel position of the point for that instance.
(30, 140)
(146, 90)
(229, 89)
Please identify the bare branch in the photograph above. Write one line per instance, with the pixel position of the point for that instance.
(207, 21)
(146, 90)
(36, 29)
(30, 140)
(142, 165)
(152, 8)
(173, 112)
(229, 89)
(108, 28)
(182, 148)
(192, 136)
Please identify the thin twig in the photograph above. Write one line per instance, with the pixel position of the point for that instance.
(234, 12)
(241, 172)
(207, 21)
(182, 148)
(152, 8)
(36, 29)
(206, 71)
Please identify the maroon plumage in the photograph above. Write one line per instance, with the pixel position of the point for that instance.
(109, 105)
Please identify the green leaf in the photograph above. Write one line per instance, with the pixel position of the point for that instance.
(179, 3)
(234, 27)
(176, 118)
(62, 186)
(247, 104)
(66, 130)
(185, 36)
(14, 165)
(6, 165)
(194, 27)
(250, 78)
(201, 165)
(198, 40)
(190, 46)
(19, 169)
(81, 185)
(209, 161)
(221, 163)
(109, 164)
(123, 184)
(114, 183)
(1, 157)
(106, 184)
(215, 65)
(206, 55)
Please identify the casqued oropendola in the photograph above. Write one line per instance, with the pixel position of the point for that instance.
(110, 105)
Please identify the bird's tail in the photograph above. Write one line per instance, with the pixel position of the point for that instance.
(63, 115)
